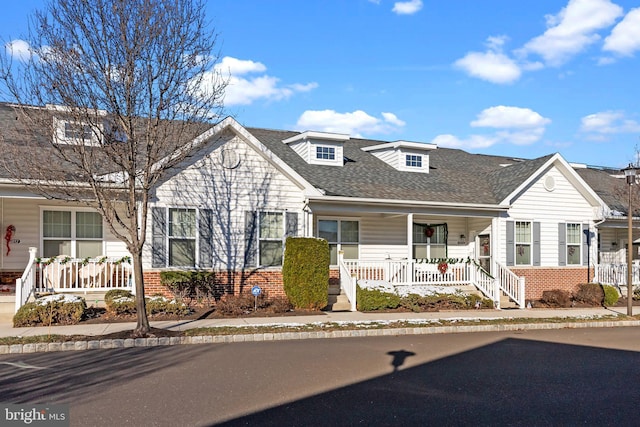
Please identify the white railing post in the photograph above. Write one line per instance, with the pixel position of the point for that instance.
(522, 301)
(25, 284)
(496, 293)
(18, 294)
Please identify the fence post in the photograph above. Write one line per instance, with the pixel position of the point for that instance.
(522, 298)
(496, 293)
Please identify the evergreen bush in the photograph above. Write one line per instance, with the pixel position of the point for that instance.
(51, 310)
(611, 295)
(305, 272)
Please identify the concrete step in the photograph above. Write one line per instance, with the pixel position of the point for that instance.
(506, 302)
(334, 290)
(339, 303)
(7, 304)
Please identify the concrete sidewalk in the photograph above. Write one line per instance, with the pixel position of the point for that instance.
(355, 318)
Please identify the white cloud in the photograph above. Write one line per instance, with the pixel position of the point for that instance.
(18, 49)
(407, 7)
(625, 37)
(356, 124)
(512, 125)
(572, 30)
(491, 66)
(607, 123)
(244, 89)
(506, 117)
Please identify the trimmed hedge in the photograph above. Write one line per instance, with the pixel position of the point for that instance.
(51, 310)
(305, 272)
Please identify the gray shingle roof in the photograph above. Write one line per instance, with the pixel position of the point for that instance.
(455, 176)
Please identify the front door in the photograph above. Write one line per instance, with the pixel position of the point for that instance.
(484, 252)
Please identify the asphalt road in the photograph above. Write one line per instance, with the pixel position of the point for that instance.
(529, 378)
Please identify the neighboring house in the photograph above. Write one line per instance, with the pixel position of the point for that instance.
(387, 209)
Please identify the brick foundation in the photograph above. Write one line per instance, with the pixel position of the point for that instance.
(540, 279)
(8, 282)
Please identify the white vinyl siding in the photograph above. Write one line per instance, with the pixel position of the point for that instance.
(253, 186)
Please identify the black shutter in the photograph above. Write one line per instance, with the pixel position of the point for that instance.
(158, 237)
(511, 248)
(205, 231)
(250, 239)
(536, 243)
(585, 247)
(562, 244)
(291, 224)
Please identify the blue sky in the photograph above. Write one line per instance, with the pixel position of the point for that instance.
(514, 78)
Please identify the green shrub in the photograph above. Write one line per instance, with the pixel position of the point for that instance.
(159, 304)
(51, 310)
(120, 302)
(189, 286)
(611, 295)
(375, 299)
(305, 272)
(590, 293)
(112, 294)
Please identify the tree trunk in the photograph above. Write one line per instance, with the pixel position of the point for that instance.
(142, 327)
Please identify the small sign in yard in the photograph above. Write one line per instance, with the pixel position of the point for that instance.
(256, 290)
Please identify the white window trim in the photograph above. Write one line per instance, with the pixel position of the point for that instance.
(281, 239)
(339, 243)
(196, 237)
(516, 242)
(73, 237)
(573, 245)
(415, 158)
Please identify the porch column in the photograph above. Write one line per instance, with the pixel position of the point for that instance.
(409, 236)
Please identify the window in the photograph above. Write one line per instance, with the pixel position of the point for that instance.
(74, 130)
(523, 242)
(325, 153)
(182, 237)
(270, 233)
(342, 235)
(574, 243)
(74, 233)
(413, 161)
(430, 241)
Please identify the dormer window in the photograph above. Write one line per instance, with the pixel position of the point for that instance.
(403, 155)
(325, 153)
(73, 130)
(413, 161)
(319, 148)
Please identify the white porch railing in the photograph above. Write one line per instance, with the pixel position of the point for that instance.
(347, 282)
(616, 274)
(418, 273)
(510, 283)
(65, 274)
(25, 285)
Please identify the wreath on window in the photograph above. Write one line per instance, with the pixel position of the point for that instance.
(428, 232)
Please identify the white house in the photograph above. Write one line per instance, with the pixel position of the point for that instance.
(411, 214)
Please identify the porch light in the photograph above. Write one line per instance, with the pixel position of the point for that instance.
(463, 239)
(630, 174)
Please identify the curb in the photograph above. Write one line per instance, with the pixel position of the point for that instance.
(226, 339)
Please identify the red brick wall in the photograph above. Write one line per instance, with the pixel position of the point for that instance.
(539, 279)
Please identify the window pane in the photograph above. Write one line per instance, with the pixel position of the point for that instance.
(270, 253)
(271, 226)
(419, 233)
(573, 234)
(350, 251)
(438, 251)
(88, 248)
(523, 254)
(349, 232)
(182, 253)
(328, 230)
(438, 235)
(56, 224)
(523, 232)
(573, 255)
(419, 251)
(88, 225)
(326, 153)
(413, 161)
(53, 248)
(182, 223)
(333, 254)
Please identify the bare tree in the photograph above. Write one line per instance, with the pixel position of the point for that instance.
(135, 85)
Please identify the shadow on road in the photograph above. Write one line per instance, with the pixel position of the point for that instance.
(510, 382)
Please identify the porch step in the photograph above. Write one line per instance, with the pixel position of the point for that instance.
(506, 302)
(338, 301)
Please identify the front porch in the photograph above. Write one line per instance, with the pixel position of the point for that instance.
(418, 275)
